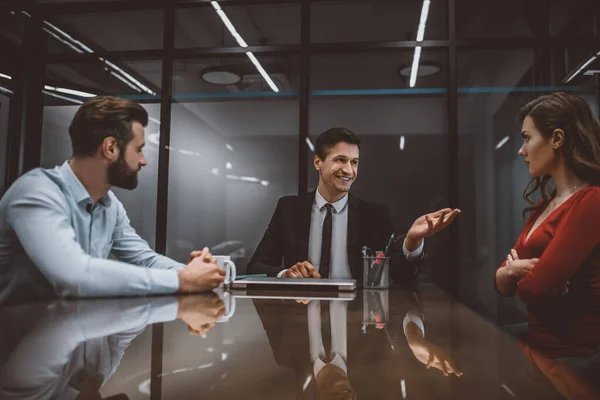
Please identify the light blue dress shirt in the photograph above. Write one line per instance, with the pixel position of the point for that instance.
(74, 339)
(49, 224)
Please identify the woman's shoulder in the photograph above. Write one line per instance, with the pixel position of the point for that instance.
(590, 195)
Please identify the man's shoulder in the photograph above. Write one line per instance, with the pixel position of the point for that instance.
(293, 200)
(368, 206)
(39, 181)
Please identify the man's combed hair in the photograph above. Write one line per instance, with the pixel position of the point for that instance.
(102, 117)
(333, 136)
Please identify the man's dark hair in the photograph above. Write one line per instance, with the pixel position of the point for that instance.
(101, 117)
(333, 136)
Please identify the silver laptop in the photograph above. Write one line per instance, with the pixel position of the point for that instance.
(276, 295)
(287, 284)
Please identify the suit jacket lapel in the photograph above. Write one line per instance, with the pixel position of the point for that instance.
(353, 236)
(304, 215)
(353, 221)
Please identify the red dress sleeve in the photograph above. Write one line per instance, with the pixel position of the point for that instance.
(519, 244)
(575, 239)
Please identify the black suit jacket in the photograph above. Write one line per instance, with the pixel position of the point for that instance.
(287, 236)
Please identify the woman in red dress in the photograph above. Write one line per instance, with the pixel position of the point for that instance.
(554, 267)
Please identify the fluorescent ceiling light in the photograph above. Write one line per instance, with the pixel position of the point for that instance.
(80, 47)
(420, 34)
(228, 147)
(154, 138)
(228, 165)
(58, 96)
(423, 20)
(125, 81)
(244, 178)
(189, 152)
(415, 66)
(310, 145)
(262, 71)
(63, 41)
(5, 90)
(588, 62)
(129, 77)
(5, 76)
(69, 91)
(243, 43)
(402, 140)
(68, 37)
(220, 76)
(228, 24)
(502, 142)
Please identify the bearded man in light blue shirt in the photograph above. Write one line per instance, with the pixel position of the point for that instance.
(58, 226)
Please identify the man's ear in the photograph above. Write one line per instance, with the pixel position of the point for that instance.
(109, 149)
(558, 139)
(317, 162)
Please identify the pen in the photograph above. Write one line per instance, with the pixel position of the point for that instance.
(379, 263)
(389, 243)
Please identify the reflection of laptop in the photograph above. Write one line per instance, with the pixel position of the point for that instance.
(287, 284)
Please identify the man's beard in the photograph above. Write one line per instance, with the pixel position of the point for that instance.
(120, 175)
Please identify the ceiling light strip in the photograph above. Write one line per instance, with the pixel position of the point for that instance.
(227, 22)
(420, 35)
(58, 96)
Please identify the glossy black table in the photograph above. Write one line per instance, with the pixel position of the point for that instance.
(414, 343)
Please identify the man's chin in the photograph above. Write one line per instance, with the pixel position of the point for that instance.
(343, 189)
(127, 185)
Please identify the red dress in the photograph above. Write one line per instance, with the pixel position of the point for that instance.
(568, 246)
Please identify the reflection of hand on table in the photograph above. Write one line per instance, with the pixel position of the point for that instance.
(200, 312)
(90, 388)
(428, 353)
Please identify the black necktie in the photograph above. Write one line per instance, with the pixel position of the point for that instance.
(326, 243)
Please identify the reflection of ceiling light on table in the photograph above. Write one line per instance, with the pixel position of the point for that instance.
(220, 76)
(425, 69)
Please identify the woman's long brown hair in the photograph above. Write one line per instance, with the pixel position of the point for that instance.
(581, 147)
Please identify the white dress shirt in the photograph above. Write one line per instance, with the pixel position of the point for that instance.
(339, 266)
(338, 311)
(339, 346)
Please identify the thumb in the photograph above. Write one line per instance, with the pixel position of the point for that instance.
(535, 260)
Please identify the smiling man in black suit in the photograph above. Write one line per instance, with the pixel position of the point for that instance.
(321, 234)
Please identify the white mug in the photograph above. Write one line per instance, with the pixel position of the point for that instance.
(229, 301)
(229, 267)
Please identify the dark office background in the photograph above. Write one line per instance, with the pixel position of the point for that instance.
(220, 155)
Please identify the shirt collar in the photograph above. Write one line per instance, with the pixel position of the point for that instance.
(77, 189)
(338, 205)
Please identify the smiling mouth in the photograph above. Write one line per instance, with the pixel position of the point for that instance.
(344, 178)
